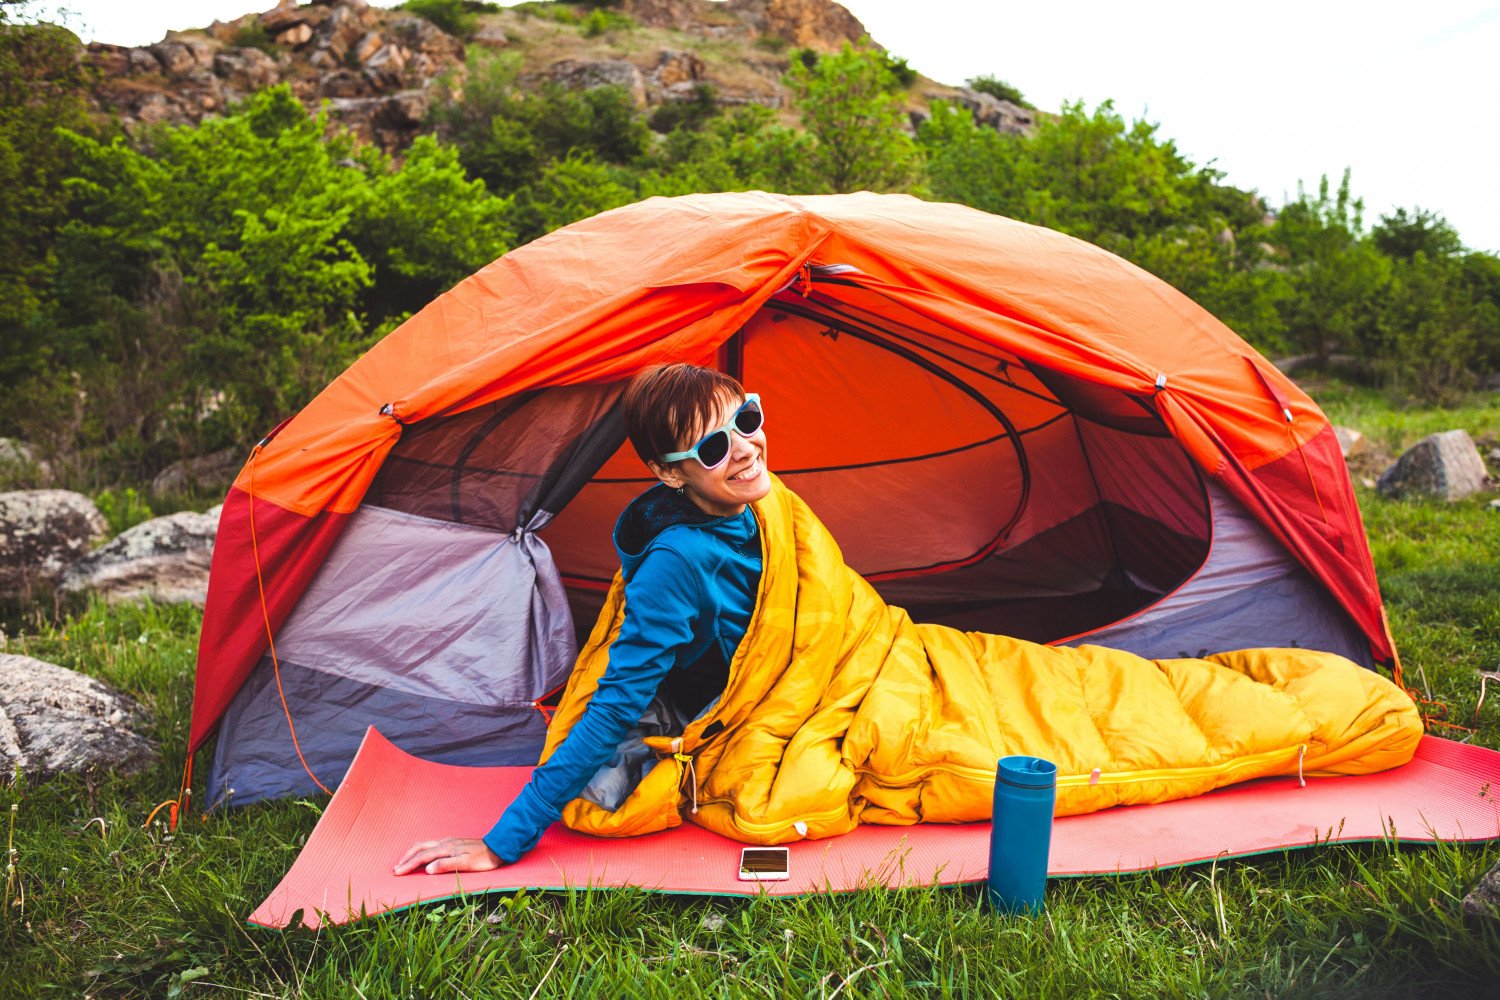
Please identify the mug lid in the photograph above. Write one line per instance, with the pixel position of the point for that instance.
(1029, 772)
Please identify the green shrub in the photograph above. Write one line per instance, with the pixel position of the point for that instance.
(547, 10)
(253, 35)
(999, 88)
(600, 21)
(123, 509)
(457, 17)
(903, 74)
(690, 114)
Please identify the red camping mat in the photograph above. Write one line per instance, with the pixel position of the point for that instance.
(390, 800)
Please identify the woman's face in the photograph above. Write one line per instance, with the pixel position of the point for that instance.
(741, 479)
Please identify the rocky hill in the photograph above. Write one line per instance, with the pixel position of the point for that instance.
(378, 69)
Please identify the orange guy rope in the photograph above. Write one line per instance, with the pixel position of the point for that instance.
(270, 637)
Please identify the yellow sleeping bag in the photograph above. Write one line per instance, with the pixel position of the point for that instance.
(840, 710)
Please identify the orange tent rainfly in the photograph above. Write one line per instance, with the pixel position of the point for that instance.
(1006, 429)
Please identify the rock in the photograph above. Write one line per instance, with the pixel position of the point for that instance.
(1445, 465)
(1351, 441)
(165, 559)
(246, 70)
(286, 16)
(57, 721)
(491, 36)
(339, 32)
(206, 472)
(143, 62)
(41, 533)
(175, 57)
(987, 109)
(384, 68)
(322, 59)
(818, 24)
(674, 67)
(586, 74)
(111, 60)
(1484, 899)
(343, 83)
(367, 46)
(180, 58)
(419, 35)
(297, 34)
(154, 108)
(407, 109)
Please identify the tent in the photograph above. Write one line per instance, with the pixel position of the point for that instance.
(1006, 429)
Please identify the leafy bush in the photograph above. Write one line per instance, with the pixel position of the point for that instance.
(210, 282)
(691, 114)
(548, 10)
(457, 17)
(599, 21)
(901, 73)
(999, 89)
(847, 107)
(253, 35)
(508, 138)
(124, 508)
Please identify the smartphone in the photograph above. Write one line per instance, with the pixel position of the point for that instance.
(764, 864)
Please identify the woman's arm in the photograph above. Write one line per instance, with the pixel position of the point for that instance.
(663, 601)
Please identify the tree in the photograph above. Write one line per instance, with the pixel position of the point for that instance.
(1401, 236)
(1092, 175)
(214, 277)
(508, 137)
(1335, 277)
(856, 124)
(43, 86)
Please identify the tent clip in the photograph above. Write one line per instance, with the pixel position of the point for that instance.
(389, 410)
(1161, 381)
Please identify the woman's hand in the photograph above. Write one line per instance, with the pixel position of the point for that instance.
(451, 854)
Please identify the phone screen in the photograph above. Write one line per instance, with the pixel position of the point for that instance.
(763, 863)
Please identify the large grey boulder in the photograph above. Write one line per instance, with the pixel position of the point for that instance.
(54, 721)
(212, 472)
(166, 559)
(586, 74)
(1446, 466)
(42, 532)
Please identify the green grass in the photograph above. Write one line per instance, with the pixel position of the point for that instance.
(98, 905)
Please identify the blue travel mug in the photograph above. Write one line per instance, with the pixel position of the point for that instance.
(1021, 834)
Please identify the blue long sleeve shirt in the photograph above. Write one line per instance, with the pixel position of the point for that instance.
(690, 589)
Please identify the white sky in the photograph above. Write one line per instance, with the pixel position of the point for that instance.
(1406, 94)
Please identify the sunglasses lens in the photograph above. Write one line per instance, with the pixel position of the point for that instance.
(713, 449)
(748, 420)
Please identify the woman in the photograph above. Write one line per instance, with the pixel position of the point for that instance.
(842, 710)
(690, 554)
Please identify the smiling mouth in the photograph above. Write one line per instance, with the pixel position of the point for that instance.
(753, 470)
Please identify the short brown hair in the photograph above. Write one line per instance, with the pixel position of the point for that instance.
(665, 403)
